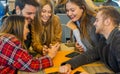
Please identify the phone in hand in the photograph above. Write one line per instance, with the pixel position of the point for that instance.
(73, 54)
(77, 72)
(54, 73)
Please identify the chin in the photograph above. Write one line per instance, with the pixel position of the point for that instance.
(74, 20)
(97, 32)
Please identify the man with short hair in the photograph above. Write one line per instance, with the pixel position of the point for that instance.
(25, 8)
(108, 51)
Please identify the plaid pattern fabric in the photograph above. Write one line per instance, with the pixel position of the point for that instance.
(14, 57)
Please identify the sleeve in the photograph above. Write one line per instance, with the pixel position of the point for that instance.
(57, 30)
(84, 58)
(18, 58)
(76, 34)
(116, 47)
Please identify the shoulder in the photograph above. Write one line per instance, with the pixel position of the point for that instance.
(9, 38)
(56, 19)
(116, 38)
(70, 22)
(117, 34)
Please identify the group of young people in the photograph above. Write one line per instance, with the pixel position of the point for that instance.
(34, 24)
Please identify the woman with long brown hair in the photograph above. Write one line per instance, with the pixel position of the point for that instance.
(13, 53)
(48, 30)
(81, 23)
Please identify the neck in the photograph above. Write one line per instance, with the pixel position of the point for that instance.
(107, 31)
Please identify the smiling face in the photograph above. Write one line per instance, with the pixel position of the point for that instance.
(73, 11)
(28, 11)
(99, 23)
(46, 13)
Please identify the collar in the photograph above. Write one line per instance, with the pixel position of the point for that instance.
(77, 23)
(111, 36)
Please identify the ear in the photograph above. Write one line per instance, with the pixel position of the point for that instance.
(107, 21)
(18, 11)
(83, 7)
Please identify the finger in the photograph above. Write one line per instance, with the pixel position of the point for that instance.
(57, 45)
(81, 50)
(44, 46)
(61, 69)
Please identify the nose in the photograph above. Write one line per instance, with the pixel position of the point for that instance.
(47, 14)
(69, 13)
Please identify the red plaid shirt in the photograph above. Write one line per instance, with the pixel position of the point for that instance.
(13, 57)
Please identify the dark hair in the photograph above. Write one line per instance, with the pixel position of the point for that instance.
(110, 11)
(14, 25)
(21, 3)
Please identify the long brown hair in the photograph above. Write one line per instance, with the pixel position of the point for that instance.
(85, 18)
(40, 26)
(14, 25)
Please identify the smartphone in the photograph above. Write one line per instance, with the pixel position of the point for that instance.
(73, 54)
(77, 72)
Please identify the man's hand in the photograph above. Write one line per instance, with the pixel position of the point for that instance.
(65, 69)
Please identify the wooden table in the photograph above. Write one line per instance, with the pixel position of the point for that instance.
(92, 68)
(60, 58)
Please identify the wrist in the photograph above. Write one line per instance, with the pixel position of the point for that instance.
(68, 65)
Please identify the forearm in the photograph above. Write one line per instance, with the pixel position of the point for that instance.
(82, 59)
(27, 63)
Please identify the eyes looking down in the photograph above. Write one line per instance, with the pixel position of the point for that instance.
(28, 11)
(73, 11)
(46, 13)
(100, 23)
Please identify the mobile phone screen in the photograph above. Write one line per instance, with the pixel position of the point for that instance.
(54, 73)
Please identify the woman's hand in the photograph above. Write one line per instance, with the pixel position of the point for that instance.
(52, 51)
(45, 50)
(79, 47)
(65, 69)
